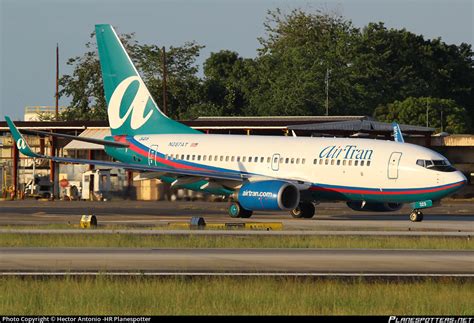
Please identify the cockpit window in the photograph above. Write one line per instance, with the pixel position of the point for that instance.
(439, 165)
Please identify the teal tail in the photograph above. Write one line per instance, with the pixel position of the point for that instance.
(130, 107)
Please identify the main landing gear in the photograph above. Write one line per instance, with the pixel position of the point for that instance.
(303, 210)
(416, 216)
(237, 211)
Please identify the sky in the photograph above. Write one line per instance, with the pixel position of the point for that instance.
(30, 30)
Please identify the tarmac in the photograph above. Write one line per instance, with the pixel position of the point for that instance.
(238, 260)
(452, 219)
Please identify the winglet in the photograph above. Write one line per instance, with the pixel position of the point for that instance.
(19, 140)
(397, 133)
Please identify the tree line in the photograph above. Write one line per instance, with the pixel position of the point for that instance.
(308, 63)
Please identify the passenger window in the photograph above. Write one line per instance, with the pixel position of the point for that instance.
(182, 157)
(243, 159)
(287, 160)
(349, 163)
(281, 160)
(215, 157)
(315, 161)
(368, 163)
(255, 159)
(292, 160)
(222, 158)
(238, 158)
(210, 157)
(297, 160)
(199, 157)
(226, 158)
(187, 157)
(262, 159)
(303, 161)
(250, 159)
(232, 158)
(356, 163)
(204, 158)
(361, 163)
(332, 161)
(194, 156)
(268, 159)
(338, 162)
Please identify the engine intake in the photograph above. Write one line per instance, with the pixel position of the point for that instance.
(269, 195)
(374, 207)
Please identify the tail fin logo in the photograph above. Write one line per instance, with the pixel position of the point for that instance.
(21, 144)
(136, 108)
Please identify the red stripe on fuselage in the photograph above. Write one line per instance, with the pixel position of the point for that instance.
(144, 153)
(370, 192)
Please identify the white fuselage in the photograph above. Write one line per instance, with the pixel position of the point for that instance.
(345, 162)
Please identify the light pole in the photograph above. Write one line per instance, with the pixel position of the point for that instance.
(327, 91)
(427, 108)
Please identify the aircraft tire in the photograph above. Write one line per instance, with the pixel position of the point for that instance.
(235, 210)
(416, 216)
(303, 210)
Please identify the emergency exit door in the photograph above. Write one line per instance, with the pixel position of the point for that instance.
(393, 165)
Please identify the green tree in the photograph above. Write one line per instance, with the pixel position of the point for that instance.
(84, 86)
(443, 114)
(396, 64)
(297, 54)
(184, 88)
(85, 89)
(227, 82)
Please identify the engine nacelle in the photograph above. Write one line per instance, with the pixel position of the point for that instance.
(269, 195)
(374, 207)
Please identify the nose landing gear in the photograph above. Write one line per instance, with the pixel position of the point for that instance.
(416, 216)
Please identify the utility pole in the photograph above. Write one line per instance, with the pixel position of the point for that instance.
(327, 91)
(165, 108)
(427, 108)
(57, 82)
(442, 119)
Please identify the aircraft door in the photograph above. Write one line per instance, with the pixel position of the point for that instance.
(152, 154)
(393, 165)
(276, 162)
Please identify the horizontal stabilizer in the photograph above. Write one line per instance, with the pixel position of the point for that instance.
(85, 139)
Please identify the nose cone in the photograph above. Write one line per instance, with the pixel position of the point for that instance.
(458, 180)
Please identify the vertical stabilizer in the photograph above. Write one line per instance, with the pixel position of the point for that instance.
(130, 107)
(397, 133)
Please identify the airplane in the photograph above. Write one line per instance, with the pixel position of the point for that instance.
(259, 173)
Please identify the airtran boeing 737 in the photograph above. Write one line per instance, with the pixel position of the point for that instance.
(259, 172)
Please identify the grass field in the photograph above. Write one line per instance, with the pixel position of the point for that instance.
(223, 295)
(194, 241)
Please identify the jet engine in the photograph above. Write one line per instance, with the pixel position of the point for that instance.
(269, 195)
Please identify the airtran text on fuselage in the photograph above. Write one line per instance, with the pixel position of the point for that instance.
(346, 152)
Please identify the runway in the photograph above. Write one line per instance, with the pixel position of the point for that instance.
(450, 217)
(336, 261)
